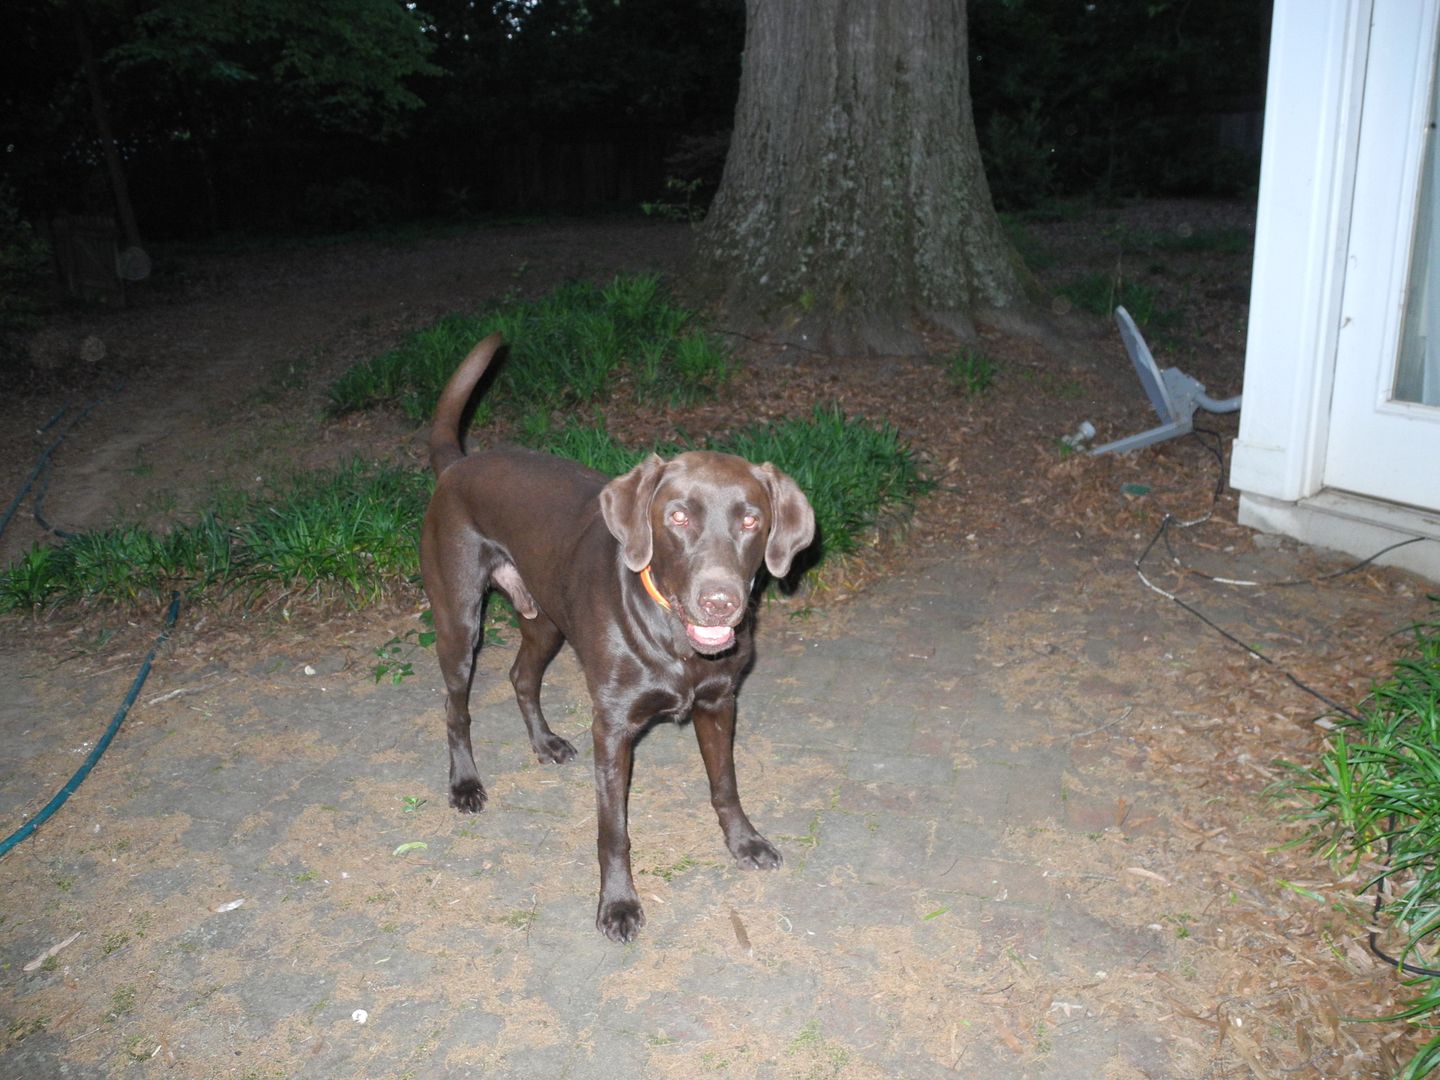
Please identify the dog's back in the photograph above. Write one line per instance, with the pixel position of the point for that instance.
(557, 499)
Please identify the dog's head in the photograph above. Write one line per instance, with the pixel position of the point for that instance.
(701, 524)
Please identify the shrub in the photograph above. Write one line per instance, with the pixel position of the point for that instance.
(1374, 799)
(24, 278)
(1019, 159)
(352, 533)
(348, 533)
(1100, 294)
(971, 372)
(856, 474)
(569, 347)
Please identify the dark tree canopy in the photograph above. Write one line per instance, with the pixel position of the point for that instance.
(344, 64)
(263, 115)
(1118, 98)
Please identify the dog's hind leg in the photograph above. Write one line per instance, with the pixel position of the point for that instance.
(456, 587)
(457, 635)
(540, 640)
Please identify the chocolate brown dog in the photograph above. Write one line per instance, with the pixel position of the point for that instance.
(648, 577)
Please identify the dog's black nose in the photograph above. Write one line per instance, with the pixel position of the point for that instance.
(718, 603)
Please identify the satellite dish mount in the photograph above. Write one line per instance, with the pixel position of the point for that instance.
(1174, 394)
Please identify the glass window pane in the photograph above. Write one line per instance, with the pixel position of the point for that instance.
(1417, 370)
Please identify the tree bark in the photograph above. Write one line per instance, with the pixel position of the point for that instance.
(109, 147)
(854, 209)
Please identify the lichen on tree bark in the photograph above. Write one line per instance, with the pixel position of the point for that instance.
(854, 208)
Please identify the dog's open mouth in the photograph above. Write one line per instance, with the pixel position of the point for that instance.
(710, 638)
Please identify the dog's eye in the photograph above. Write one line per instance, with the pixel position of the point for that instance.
(679, 517)
(750, 522)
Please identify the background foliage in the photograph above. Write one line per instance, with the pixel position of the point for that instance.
(1118, 98)
(259, 115)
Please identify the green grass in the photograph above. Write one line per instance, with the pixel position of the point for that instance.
(351, 530)
(1374, 799)
(593, 445)
(1027, 245)
(1203, 241)
(858, 475)
(971, 372)
(342, 533)
(1100, 294)
(571, 346)
(351, 534)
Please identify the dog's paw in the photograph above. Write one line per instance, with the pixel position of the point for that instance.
(468, 796)
(620, 920)
(756, 853)
(554, 751)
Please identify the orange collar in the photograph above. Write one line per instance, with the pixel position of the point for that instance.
(647, 578)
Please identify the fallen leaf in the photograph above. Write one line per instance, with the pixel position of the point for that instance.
(740, 935)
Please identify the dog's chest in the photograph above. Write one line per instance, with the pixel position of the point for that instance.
(674, 692)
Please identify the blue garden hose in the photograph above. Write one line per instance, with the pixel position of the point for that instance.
(42, 463)
(95, 754)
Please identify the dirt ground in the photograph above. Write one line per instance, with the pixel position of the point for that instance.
(1021, 794)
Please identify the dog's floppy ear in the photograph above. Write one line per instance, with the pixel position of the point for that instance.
(625, 505)
(792, 522)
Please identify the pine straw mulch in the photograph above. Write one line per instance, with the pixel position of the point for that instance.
(1272, 970)
(1275, 940)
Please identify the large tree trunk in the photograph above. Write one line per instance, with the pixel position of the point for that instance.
(854, 208)
(111, 149)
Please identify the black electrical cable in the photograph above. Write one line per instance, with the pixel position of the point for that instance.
(1218, 453)
(1380, 882)
(1290, 582)
(1163, 531)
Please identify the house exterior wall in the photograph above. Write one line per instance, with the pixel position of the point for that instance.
(1306, 176)
(1313, 101)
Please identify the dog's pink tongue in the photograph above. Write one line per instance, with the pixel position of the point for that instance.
(710, 637)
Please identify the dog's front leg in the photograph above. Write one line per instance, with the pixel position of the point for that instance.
(619, 916)
(714, 725)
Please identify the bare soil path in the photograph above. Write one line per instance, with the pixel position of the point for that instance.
(1019, 794)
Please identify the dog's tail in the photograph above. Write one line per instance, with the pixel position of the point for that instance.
(445, 448)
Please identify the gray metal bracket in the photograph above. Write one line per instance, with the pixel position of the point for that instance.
(1174, 395)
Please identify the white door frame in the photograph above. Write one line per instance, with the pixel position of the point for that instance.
(1307, 180)
(1379, 447)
